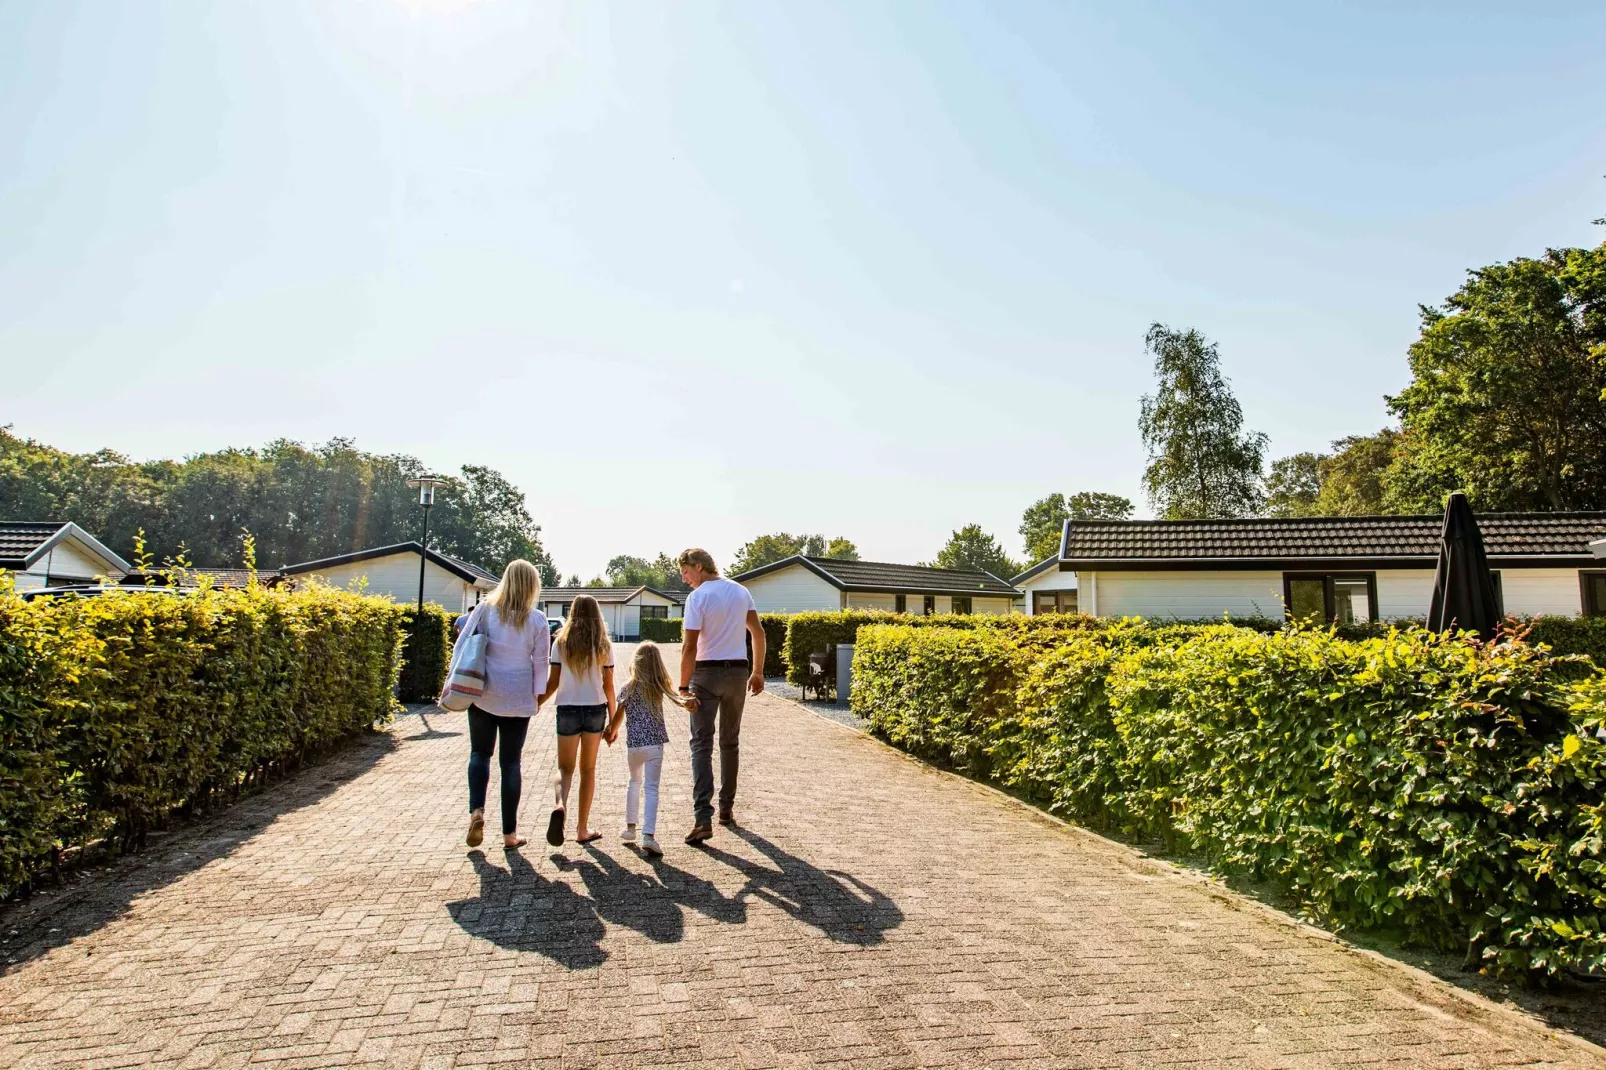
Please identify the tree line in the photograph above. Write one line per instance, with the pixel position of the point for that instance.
(299, 503)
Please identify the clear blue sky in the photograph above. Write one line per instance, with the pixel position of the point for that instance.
(691, 272)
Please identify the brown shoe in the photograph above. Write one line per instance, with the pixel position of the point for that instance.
(727, 815)
(698, 834)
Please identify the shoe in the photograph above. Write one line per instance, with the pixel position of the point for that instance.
(476, 828)
(554, 828)
(628, 835)
(650, 848)
(699, 833)
(727, 815)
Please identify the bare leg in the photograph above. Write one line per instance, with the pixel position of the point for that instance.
(589, 741)
(568, 751)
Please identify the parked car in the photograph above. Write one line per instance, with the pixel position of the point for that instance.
(90, 590)
(554, 623)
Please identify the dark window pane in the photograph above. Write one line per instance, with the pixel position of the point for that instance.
(901, 603)
(1306, 601)
(1595, 594)
(961, 604)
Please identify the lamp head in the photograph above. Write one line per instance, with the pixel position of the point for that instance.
(426, 485)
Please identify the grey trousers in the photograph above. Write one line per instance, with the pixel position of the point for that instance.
(721, 695)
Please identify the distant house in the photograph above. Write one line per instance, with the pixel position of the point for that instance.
(622, 607)
(54, 554)
(802, 584)
(456, 586)
(1349, 568)
(1047, 588)
(219, 577)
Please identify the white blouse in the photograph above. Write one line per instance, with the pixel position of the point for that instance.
(517, 660)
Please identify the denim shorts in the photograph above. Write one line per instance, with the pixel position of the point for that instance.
(573, 720)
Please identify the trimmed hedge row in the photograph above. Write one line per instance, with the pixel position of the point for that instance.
(117, 710)
(1445, 789)
(671, 630)
(426, 652)
(662, 629)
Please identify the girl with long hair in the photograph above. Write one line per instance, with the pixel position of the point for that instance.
(582, 686)
(641, 707)
(517, 658)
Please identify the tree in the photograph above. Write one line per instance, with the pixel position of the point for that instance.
(1505, 400)
(662, 572)
(972, 548)
(1045, 518)
(1294, 484)
(1201, 461)
(768, 549)
(1354, 477)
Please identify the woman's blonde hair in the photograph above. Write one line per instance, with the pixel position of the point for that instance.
(583, 639)
(517, 594)
(649, 677)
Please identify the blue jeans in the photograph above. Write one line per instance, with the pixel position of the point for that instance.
(483, 730)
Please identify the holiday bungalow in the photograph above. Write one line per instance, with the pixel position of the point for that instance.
(805, 584)
(55, 554)
(1345, 568)
(454, 585)
(622, 607)
(1047, 588)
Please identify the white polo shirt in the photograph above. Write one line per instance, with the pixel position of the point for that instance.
(717, 612)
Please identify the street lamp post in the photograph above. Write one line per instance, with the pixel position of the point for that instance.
(426, 485)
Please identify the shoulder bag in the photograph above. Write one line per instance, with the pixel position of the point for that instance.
(465, 681)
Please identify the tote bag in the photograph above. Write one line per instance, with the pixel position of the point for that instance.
(466, 680)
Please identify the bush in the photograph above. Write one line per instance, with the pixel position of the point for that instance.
(123, 708)
(774, 643)
(426, 653)
(1445, 789)
(1568, 635)
(662, 629)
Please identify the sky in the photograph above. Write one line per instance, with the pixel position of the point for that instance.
(687, 273)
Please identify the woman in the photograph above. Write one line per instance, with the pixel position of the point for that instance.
(517, 655)
(582, 685)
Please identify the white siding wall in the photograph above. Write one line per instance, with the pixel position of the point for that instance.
(1534, 591)
(28, 581)
(944, 604)
(991, 606)
(1051, 580)
(70, 562)
(793, 590)
(870, 600)
(647, 598)
(1189, 595)
(397, 576)
(1403, 592)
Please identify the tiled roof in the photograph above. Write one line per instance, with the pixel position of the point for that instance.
(1505, 535)
(604, 594)
(19, 540)
(880, 576)
(463, 569)
(221, 577)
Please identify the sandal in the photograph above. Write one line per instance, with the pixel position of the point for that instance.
(554, 828)
(593, 838)
(514, 846)
(476, 829)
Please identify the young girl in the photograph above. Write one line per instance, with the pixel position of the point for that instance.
(582, 685)
(641, 707)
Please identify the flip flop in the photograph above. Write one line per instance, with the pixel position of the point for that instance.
(554, 828)
(514, 846)
(593, 838)
(476, 830)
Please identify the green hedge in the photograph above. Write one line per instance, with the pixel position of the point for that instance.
(662, 629)
(1568, 635)
(117, 710)
(1446, 790)
(426, 653)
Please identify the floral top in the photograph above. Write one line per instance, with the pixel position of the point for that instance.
(643, 728)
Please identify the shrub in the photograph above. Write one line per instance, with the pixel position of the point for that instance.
(1446, 789)
(426, 652)
(127, 707)
(774, 643)
(662, 629)
(1569, 635)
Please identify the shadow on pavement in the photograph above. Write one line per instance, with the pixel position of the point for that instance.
(99, 894)
(520, 910)
(838, 904)
(430, 731)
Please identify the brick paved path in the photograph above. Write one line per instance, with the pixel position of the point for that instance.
(870, 913)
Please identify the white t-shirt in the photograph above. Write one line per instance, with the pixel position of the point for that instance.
(717, 612)
(581, 689)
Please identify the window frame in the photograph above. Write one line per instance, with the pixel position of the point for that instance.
(1058, 602)
(928, 605)
(650, 612)
(1587, 606)
(1327, 579)
(953, 605)
(900, 603)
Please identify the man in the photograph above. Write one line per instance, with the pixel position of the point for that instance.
(715, 678)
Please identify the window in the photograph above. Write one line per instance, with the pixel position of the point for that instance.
(900, 603)
(929, 606)
(661, 612)
(1593, 588)
(1336, 597)
(961, 603)
(1054, 602)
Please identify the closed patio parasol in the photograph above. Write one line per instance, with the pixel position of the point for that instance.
(1463, 587)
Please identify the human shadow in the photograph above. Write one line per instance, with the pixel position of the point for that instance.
(838, 904)
(430, 731)
(520, 910)
(651, 905)
(101, 891)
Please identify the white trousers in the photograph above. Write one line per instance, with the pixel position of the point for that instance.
(646, 764)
